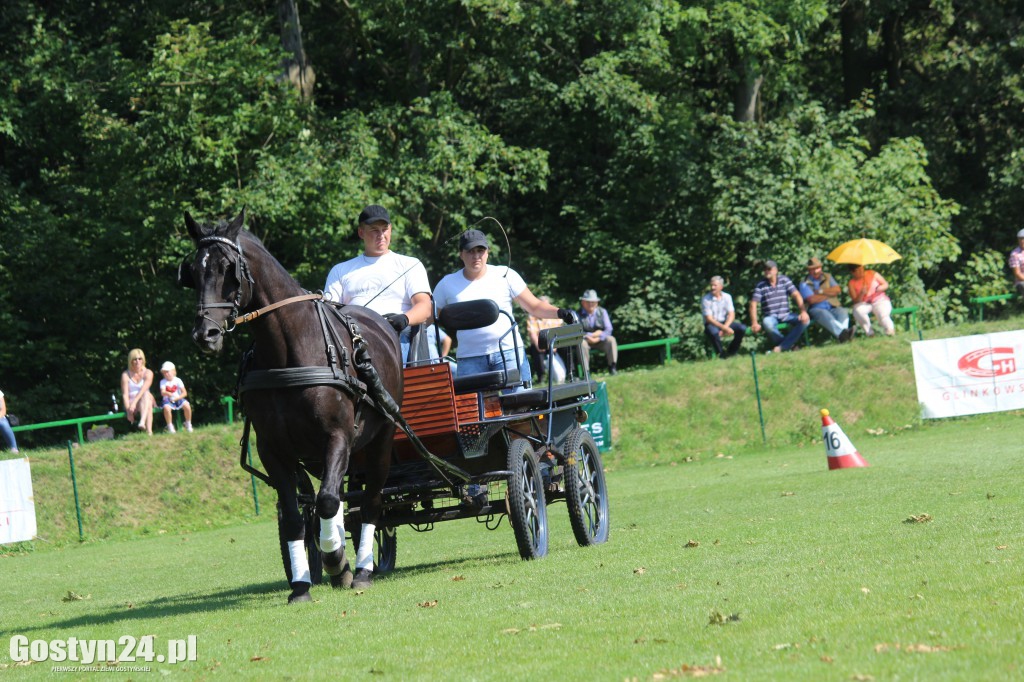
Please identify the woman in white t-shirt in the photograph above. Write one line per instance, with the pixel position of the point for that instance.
(491, 348)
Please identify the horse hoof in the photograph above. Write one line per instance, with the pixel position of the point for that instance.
(343, 579)
(335, 563)
(363, 579)
(300, 593)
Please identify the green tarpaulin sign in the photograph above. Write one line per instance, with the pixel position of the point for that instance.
(599, 419)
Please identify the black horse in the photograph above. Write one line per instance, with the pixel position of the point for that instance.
(308, 386)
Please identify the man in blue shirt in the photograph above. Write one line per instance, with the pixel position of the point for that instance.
(821, 294)
(773, 293)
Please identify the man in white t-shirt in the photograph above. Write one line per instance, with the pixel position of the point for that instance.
(391, 284)
(490, 348)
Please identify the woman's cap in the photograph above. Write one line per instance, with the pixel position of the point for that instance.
(471, 239)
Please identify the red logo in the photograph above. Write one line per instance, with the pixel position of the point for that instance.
(988, 362)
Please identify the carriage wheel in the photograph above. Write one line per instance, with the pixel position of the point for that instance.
(527, 511)
(586, 493)
(312, 529)
(385, 548)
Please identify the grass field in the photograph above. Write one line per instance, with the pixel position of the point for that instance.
(766, 566)
(727, 557)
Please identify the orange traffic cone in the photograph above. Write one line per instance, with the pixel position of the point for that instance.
(840, 451)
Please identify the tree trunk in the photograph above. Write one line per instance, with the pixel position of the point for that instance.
(296, 68)
(856, 57)
(747, 96)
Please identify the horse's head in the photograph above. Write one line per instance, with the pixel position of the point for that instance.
(220, 275)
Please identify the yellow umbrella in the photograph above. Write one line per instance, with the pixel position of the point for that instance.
(863, 252)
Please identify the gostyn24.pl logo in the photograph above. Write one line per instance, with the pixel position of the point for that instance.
(126, 649)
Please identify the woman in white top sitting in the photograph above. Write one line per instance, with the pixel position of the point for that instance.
(135, 396)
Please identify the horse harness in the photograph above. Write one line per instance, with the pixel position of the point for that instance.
(365, 388)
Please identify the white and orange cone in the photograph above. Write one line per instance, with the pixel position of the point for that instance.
(840, 451)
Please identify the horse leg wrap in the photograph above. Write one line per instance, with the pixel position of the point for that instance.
(300, 564)
(332, 532)
(364, 559)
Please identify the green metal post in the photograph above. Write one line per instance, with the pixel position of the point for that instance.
(255, 494)
(229, 407)
(74, 486)
(757, 391)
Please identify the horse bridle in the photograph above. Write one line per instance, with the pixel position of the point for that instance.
(242, 275)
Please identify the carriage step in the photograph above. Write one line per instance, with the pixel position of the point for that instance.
(490, 477)
(423, 517)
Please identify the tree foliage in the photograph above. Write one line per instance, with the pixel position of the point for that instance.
(633, 147)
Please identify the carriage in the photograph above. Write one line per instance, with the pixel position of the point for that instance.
(528, 448)
(320, 385)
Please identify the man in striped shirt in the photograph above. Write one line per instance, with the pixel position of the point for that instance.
(773, 293)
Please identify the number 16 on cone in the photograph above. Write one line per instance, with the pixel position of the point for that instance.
(840, 451)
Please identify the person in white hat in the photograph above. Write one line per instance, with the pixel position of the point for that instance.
(597, 328)
(1016, 263)
(174, 397)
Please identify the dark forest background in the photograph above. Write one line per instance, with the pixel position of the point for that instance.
(633, 146)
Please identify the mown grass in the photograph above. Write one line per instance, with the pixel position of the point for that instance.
(764, 566)
(726, 557)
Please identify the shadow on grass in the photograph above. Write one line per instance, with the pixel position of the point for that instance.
(173, 606)
(276, 590)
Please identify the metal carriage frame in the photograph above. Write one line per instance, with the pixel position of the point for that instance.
(526, 446)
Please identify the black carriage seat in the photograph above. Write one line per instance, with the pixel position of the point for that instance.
(538, 397)
(560, 337)
(474, 315)
(557, 337)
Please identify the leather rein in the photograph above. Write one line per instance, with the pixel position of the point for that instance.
(364, 388)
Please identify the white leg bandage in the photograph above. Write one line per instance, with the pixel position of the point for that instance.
(365, 557)
(300, 564)
(332, 532)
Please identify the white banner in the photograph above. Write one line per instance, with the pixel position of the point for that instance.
(17, 507)
(970, 374)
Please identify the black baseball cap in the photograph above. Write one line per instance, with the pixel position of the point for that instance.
(471, 239)
(374, 214)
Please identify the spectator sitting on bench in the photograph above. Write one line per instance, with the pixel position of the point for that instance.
(1016, 263)
(821, 295)
(174, 397)
(867, 289)
(774, 292)
(720, 319)
(597, 331)
(135, 396)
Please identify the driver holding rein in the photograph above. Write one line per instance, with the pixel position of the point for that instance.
(388, 283)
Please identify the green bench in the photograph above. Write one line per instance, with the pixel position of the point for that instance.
(910, 321)
(980, 301)
(653, 343)
(666, 343)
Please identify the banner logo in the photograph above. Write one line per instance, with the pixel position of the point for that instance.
(988, 362)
